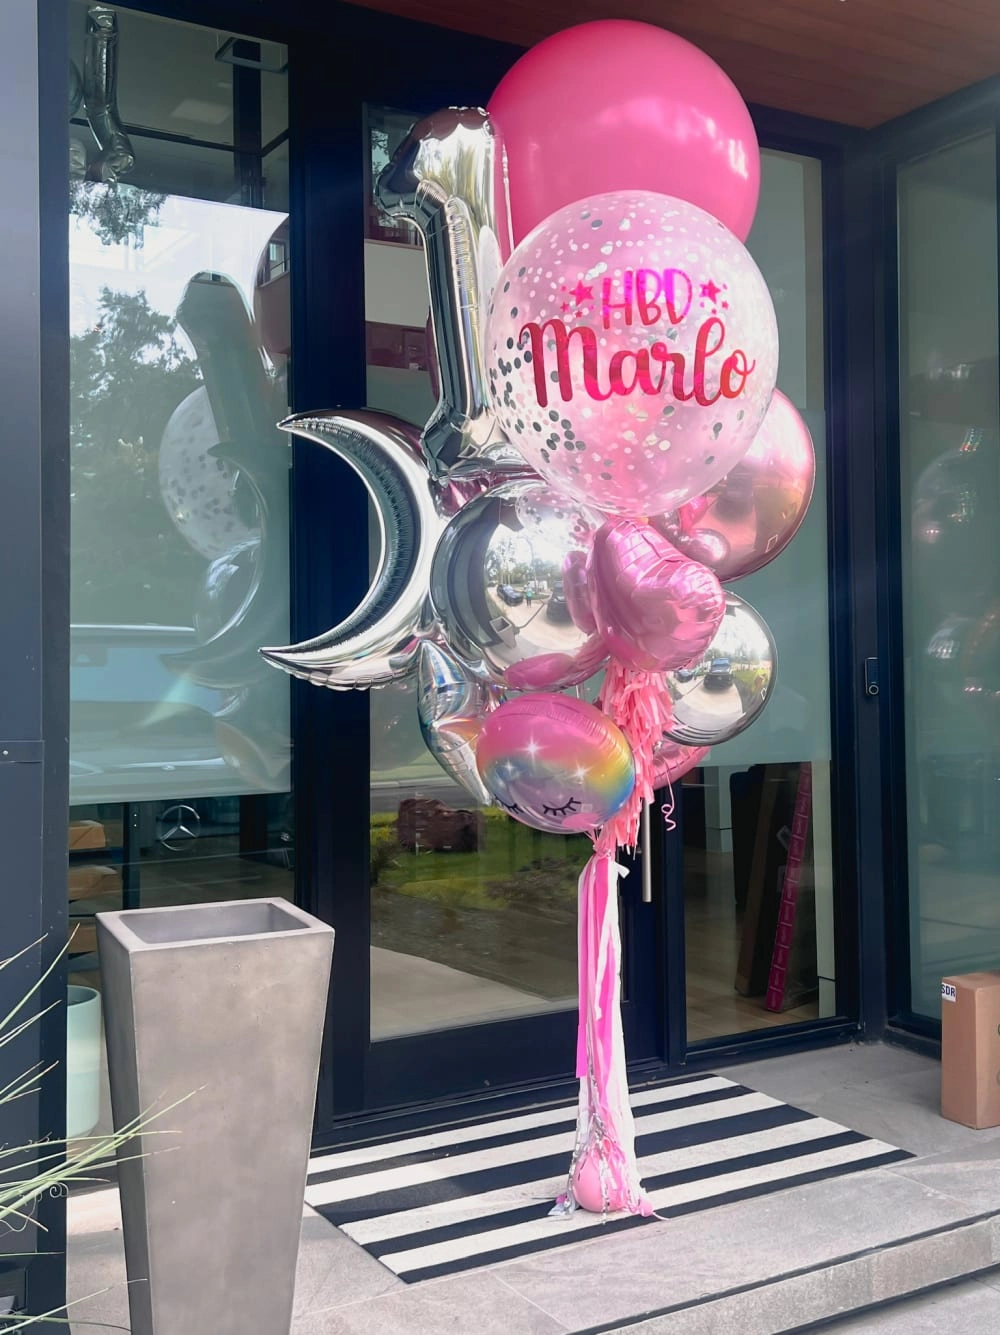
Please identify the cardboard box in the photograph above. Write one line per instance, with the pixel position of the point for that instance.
(84, 940)
(86, 834)
(970, 1049)
(91, 880)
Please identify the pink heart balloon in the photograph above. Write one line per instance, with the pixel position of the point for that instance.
(655, 608)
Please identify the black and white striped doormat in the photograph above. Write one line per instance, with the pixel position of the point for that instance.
(476, 1194)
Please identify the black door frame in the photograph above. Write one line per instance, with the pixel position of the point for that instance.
(34, 610)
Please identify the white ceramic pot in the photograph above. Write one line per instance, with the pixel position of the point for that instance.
(83, 1060)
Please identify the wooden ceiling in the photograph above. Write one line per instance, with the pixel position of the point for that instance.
(859, 62)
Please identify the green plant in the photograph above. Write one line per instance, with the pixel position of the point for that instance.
(384, 850)
(29, 1172)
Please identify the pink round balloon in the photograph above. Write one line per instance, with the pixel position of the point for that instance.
(596, 1186)
(751, 515)
(618, 105)
(555, 763)
(632, 351)
(655, 609)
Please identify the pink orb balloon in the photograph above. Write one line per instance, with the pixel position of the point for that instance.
(618, 105)
(555, 763)
(632, 351)
(751, 515)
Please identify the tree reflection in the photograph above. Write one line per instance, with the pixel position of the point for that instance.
(128, 374)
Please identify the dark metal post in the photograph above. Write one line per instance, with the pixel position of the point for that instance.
(247, 114)
(34, 578)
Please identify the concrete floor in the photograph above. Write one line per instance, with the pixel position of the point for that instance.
(799, 1258)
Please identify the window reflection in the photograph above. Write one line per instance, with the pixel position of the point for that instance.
(950, 489)
(179, 357)
(758, 839)
(179, 538)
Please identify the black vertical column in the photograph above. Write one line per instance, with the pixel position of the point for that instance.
(34, 583)
(856, 244)
(330, 542)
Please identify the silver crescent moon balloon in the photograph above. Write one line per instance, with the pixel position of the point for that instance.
(445, 177)
(378, 642)
(452, 706)
(100, 96)
(720, 695)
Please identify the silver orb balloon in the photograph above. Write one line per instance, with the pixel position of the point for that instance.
(497, 588)
(452, 706)
(720, 695)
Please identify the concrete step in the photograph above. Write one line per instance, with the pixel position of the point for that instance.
(869, 1282)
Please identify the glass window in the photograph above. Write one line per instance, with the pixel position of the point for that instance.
(950, 505)
(473, 914)
(758, 862)
(180, 748)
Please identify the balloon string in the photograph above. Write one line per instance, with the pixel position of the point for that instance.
(668, 808)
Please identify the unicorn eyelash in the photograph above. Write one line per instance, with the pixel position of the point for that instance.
(512, 807)
(564, 810)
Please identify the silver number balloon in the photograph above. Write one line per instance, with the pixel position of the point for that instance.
(498, 588)
(100, 96)
(445, 178)
(720, 695)
(453, 705)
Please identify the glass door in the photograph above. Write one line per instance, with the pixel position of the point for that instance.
(949, 507)
(759, 908)
(473, 915)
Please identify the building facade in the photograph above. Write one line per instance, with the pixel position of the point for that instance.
(158, 528)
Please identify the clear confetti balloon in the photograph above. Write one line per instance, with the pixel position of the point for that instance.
(632, 351)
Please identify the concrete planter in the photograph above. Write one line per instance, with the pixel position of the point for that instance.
(226, 1003)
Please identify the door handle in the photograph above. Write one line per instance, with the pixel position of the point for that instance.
(871, 676)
